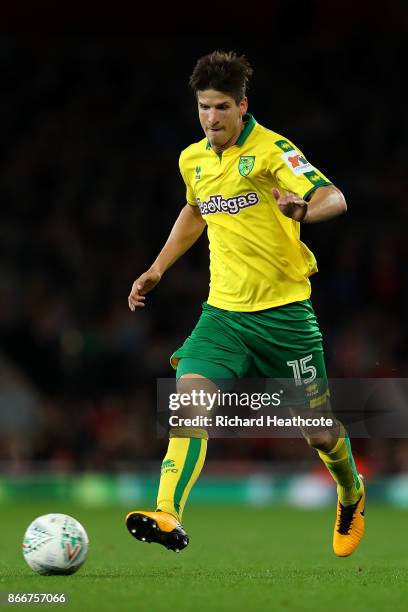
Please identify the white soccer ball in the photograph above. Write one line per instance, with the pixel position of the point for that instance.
(55, 544)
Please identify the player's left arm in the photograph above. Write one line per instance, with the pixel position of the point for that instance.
(325, 203)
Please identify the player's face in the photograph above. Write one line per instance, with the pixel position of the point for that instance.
(220, 117)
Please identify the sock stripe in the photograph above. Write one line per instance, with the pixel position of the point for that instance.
(352, 463)
(196, 473)
(193, 453)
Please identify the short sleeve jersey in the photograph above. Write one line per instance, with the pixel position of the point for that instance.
(257, 260)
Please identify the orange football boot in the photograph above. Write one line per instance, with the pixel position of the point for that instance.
(349, 526)
(159, 527)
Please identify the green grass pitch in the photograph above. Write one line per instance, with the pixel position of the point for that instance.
(238, 559)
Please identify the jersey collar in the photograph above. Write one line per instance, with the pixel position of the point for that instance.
(249, 126)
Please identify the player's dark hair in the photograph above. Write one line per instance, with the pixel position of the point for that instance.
(223, 71)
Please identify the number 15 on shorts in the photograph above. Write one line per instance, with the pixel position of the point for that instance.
(301, 368)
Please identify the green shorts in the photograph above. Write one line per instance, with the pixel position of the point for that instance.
(278, 343)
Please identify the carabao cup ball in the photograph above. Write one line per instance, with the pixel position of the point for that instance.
(55, 544)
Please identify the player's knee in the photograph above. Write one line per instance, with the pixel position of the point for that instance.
(323, 440)
(198, 393)
(194, 385)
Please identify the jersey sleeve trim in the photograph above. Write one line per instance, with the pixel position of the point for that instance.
(309, 193)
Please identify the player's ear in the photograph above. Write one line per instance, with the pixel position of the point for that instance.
(243, 106)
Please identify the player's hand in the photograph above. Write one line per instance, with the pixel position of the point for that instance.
(291, 205)
(141, 286)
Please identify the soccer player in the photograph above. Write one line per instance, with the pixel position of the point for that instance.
(252, 189)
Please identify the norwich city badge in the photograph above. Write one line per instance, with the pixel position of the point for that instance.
(246, 163)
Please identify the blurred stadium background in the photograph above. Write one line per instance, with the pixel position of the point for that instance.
(93, 124)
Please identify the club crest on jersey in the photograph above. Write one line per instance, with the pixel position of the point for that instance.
(245, 164)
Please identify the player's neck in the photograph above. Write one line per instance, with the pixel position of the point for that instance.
(231, 141)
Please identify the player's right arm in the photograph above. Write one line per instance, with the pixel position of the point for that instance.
(186, 231)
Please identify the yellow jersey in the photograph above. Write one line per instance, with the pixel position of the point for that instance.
(257, 259)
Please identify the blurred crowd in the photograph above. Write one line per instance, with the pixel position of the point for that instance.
(90, 188)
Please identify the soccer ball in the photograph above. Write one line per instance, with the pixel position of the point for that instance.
(55, 544)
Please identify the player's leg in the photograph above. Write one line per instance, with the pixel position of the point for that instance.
(289, 346)
(187, 448)
(211, 354)
(335, 452)
(179, 471)
(334, 449)
(332, 443)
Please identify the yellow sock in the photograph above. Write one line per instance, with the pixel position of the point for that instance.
(340, 463)
(180, 469)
